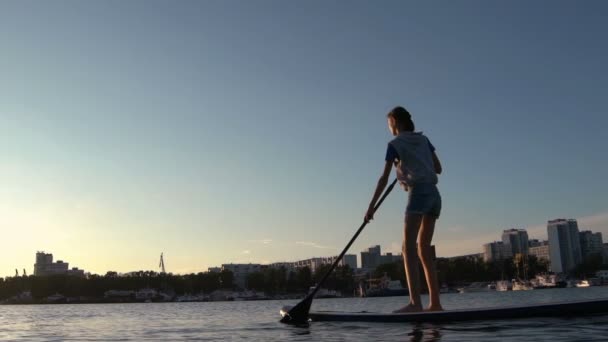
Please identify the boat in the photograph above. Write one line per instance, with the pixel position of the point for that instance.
(381, 287)
(25, 297)
(389, 289)
(221, 295)
(595, 281)
(250, 295)
(521, 285)
(547, 281)
(504, 285)
(185, 298)
(569, 309)
(588, 282)
(325, 293)
(477, 287)
(56, 298)
(146, 294)
(446, 289)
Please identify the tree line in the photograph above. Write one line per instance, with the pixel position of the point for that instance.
(462, 270)
(271, 281)
(95, 286)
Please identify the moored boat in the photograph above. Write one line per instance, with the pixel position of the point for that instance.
(504, 285)
(588, 282)
(519, 285)
(477, 287)
(382, 287)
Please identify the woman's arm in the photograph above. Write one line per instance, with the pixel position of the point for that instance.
(369, 215)
(437, 164)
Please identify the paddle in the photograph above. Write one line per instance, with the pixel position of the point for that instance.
(299, 313)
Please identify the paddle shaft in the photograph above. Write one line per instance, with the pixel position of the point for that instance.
(333, 266)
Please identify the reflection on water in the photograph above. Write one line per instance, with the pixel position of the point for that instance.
(422, 333)
(259, 321)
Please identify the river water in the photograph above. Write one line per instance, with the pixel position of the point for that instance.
(258, 321)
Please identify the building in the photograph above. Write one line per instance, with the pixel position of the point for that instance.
(75, 271)
(371, 257)
(540, 250)
(350, 260)
(240, 272)
(45, 266)
(476, 257)
(564, 245)
(290, 266)
(534, 243)
(605, 248)
(315, 263)
(214, 269)
(496, 251)
(390, 258)
(591, 243)
(517, 239)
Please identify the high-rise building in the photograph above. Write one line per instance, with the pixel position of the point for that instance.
(605, 249)
(564, 245)
(540, 250)
(517, 239)
(591, 243)
(350, 260)
(496, 251)
(45, 266)
(371, 257)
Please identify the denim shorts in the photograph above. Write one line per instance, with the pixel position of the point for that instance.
(424, 199)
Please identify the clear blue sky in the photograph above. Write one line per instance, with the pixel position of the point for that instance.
(205, 129)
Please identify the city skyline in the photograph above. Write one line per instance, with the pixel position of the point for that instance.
(131, 129)
(490, 251)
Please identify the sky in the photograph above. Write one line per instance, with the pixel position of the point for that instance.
(255, 131)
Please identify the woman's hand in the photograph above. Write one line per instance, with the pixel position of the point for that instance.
(369, 215)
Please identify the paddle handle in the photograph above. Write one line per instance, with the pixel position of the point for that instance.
(337, 261)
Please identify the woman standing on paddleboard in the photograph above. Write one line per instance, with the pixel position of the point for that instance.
(417, 168)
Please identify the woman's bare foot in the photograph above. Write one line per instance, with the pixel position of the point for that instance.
(434, 308)
(409, 308)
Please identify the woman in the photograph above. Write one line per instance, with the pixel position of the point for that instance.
(417, 168)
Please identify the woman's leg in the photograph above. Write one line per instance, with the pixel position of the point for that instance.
(426, 257)
(410, 261)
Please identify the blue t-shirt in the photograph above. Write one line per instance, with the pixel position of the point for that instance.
(392, 155)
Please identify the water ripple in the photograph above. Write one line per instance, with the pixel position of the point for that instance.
(258, 321)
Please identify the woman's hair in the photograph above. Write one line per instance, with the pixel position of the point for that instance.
(403, 118)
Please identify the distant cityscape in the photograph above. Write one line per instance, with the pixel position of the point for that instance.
(567, 254)
(565, 249)
(370, 259)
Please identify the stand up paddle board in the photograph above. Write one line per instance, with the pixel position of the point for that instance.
(573, 308)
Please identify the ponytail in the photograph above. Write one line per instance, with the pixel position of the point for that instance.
(403, 118)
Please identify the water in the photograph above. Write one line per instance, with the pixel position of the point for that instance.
(258, 321)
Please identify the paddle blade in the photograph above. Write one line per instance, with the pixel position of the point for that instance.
(297, 314)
